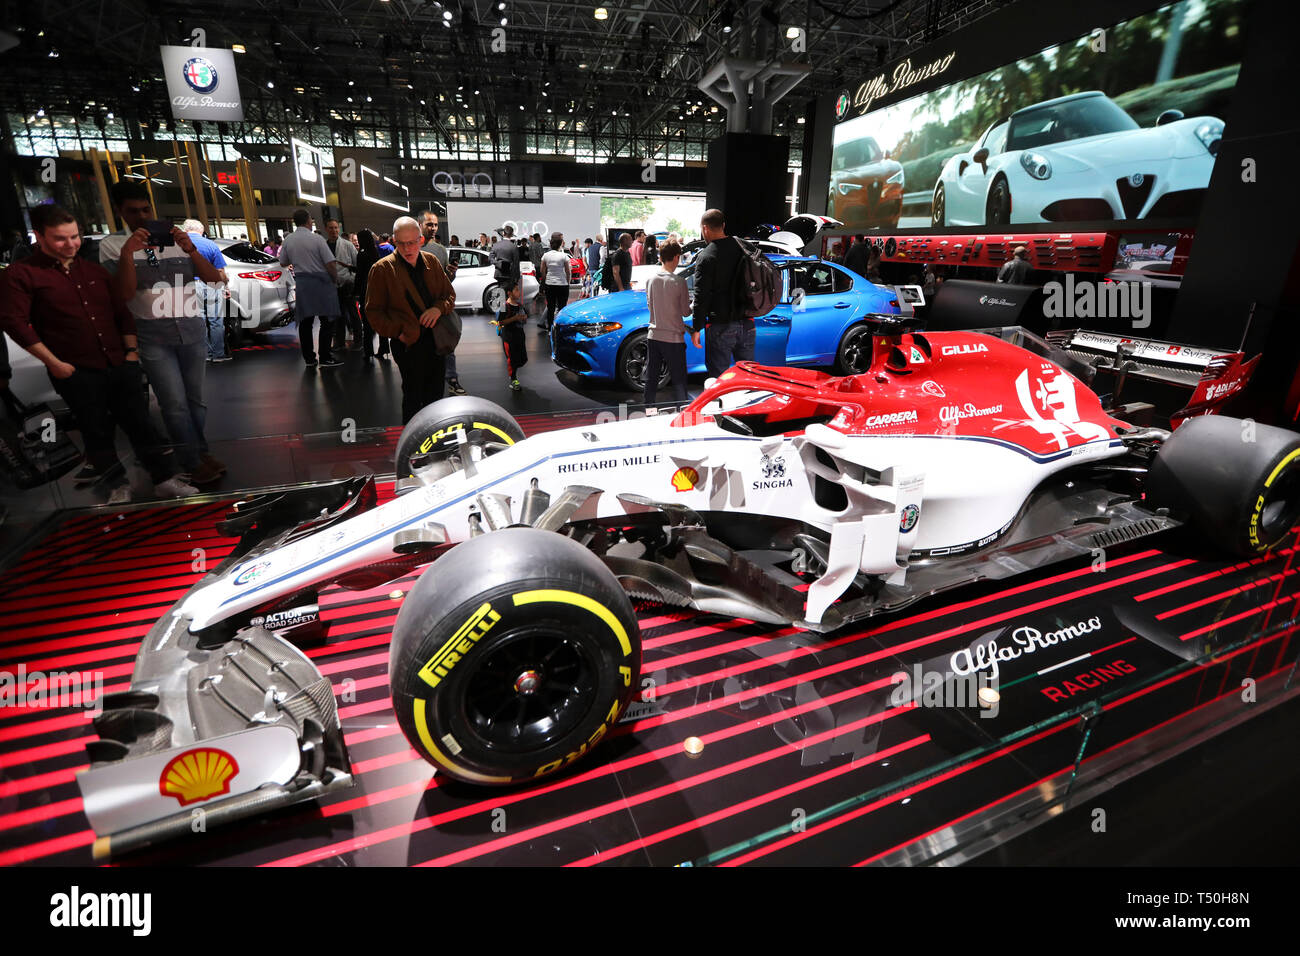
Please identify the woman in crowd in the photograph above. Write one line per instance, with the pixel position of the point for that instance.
(650, 257)
(366, 258)
(556, 274)
(272, 247)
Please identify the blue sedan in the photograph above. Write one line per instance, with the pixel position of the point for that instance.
(817, 323)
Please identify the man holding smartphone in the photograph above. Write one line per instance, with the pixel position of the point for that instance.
(154, 265)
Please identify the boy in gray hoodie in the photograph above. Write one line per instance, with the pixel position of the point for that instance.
(670, 302)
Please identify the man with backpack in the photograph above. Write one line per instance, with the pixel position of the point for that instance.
(617, 273)
(718, 307)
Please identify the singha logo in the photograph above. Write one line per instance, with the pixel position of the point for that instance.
(772, 467)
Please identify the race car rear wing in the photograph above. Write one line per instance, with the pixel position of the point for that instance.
(1211, 375)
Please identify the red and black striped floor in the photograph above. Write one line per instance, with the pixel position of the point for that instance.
(804, 760)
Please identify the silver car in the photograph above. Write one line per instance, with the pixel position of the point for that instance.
(260, 294)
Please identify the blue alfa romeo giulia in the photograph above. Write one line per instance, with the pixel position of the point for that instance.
(817, 323)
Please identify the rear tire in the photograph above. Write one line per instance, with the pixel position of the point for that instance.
(854, 354)
(512, 657)
(1238, 482)
(433, 430)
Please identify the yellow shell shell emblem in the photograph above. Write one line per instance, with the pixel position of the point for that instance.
(198, 775)
(684, 479)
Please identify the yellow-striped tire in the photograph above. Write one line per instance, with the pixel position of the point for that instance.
(1237, 482)
(513, 657)
(433, 430)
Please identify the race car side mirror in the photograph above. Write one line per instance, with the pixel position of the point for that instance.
(1169, 116)
(982, 157)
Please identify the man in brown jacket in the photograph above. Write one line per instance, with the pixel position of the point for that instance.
(407, 295)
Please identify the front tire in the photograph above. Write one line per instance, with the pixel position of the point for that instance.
(512, 657)
(434, 429)
(938, 214)
(633, 358)
(1237, 481)
(997, 209)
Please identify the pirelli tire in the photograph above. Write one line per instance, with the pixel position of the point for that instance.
(1237, 482)
(434, 428)
(512, 657)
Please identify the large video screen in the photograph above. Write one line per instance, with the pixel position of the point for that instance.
(1121, 124)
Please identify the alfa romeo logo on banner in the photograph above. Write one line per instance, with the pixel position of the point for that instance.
(200, 75)
(201, 83)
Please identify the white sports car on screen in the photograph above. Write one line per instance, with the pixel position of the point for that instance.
(1078, 158)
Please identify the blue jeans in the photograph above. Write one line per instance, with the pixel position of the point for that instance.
(172, 352)
(451, 367)
(216, 319)
(726, 343)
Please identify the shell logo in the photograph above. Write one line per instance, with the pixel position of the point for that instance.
(198, 775)
(685, 479)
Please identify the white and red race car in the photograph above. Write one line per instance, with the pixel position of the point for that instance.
(778, 495)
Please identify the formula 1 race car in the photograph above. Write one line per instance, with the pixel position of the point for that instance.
(778, 495)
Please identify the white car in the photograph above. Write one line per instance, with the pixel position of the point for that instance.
(261, 292)
(1078, 158)
(476, 285)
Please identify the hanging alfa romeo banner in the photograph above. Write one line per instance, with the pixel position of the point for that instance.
(201, 83)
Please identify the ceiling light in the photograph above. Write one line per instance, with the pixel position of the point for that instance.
(352, 82)
(601, 13)
(792, 33)
(239, 48)
(582, 66)
(367, 99)
(270, 84)
(446, 14)
(504, 21)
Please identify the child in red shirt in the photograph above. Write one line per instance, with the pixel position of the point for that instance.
(510, 326)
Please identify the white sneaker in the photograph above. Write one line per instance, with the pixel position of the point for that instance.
(174, 487)
(121, 495)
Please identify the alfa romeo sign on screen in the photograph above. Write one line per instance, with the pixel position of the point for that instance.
(201, 83)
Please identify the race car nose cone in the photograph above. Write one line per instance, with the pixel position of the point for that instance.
(528, 682)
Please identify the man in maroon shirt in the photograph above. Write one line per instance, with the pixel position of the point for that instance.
(62, 309)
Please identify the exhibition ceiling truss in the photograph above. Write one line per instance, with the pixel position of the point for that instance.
(506, 68)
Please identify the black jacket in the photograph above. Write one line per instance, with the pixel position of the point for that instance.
(716, 266)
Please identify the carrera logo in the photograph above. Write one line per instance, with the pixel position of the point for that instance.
(965, 349)
(893, 418)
